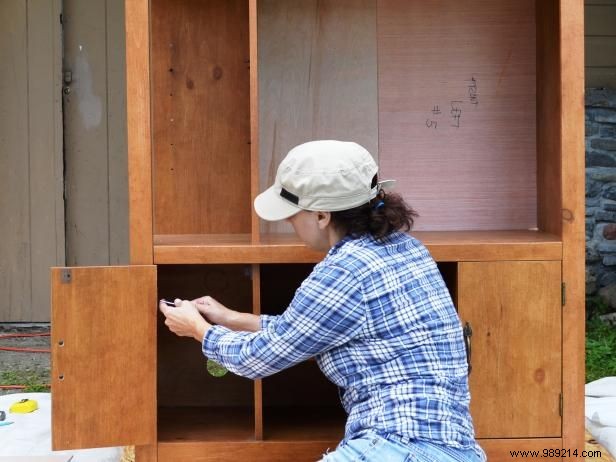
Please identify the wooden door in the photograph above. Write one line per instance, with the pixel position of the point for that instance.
(514, 310)
(103, 356)
(95, 133)
(31, 187)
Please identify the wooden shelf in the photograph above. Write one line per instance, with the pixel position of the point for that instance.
(231, 248)
(287, 248)
(281, 423)
(303, 423)
(182, 424)
(491, 245)
(253, 451)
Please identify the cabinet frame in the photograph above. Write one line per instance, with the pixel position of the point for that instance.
(560, 177)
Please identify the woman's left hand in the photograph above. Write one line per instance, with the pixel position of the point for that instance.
(184, 319)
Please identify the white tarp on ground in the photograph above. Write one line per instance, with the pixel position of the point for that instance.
(30, 434)
(601, 412)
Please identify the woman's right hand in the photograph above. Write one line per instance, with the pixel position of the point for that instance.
(214, 311)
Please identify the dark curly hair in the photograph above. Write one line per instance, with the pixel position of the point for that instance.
(386, 213)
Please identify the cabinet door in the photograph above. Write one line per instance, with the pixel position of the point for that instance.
(514, 310)
(103, 356)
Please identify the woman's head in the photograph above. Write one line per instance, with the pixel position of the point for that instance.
(339, 178)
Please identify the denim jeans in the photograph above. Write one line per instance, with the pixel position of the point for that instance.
(375, 448)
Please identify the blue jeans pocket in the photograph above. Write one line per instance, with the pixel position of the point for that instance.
(365, 449)
(374, 448)
(422, 451)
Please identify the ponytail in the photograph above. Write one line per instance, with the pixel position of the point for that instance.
(383, 215)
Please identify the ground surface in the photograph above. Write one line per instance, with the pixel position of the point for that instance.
(24, 368)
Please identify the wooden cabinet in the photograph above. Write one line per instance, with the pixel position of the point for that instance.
(475, 107)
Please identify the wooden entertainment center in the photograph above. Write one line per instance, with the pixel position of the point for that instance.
(475, 107)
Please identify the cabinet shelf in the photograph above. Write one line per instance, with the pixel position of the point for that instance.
(181, 424)
(302, 423)
(314, 423)
(287, 248)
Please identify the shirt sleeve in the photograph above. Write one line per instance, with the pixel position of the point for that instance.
(327, 311)
(266, 319)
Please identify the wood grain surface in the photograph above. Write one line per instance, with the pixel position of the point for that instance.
(457, 110)
(317, 78)
(514, 311)
(103, 342)
(201, 116)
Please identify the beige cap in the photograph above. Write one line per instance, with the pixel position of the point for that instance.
(324, 175)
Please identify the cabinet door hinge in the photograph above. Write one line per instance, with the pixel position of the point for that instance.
(560, 404)
(66, 276)
(563, 293)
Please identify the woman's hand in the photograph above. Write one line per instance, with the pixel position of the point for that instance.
(217, 313)
(214, 311)
(184, 319)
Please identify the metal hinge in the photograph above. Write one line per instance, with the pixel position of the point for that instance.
(563, 293)
(560, 404)
(66, 276)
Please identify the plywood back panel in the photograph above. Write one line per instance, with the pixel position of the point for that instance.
(201, 116)
(457, 110)
(317, 78)
(301, 385)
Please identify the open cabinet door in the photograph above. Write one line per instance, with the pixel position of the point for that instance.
(103, 334)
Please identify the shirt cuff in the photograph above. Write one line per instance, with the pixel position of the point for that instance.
(266, 319)
(210, 340)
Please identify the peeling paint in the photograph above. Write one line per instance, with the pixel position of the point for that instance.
(89, 104)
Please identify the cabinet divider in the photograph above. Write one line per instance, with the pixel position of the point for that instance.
(254, 116)
(258, 387)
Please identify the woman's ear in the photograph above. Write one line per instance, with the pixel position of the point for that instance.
(323, 219)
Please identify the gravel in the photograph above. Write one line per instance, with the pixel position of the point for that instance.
(24, 366)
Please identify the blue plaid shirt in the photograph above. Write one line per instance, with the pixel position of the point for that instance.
(380, 322)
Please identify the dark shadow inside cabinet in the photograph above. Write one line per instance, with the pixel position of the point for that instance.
(449, 271)
(194, 405)
(299, 403)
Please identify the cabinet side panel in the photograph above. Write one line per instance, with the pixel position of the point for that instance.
(201, 116)
(515, 313)
(103, 356)
(572, 122)
(138, 131)
(549, 196)
(146, 453)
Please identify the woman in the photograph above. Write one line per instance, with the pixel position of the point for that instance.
(375, 313)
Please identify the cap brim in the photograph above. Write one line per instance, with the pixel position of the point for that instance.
(387, 184)
(271, 207)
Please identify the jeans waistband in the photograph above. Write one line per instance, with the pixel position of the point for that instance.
(455, 453)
